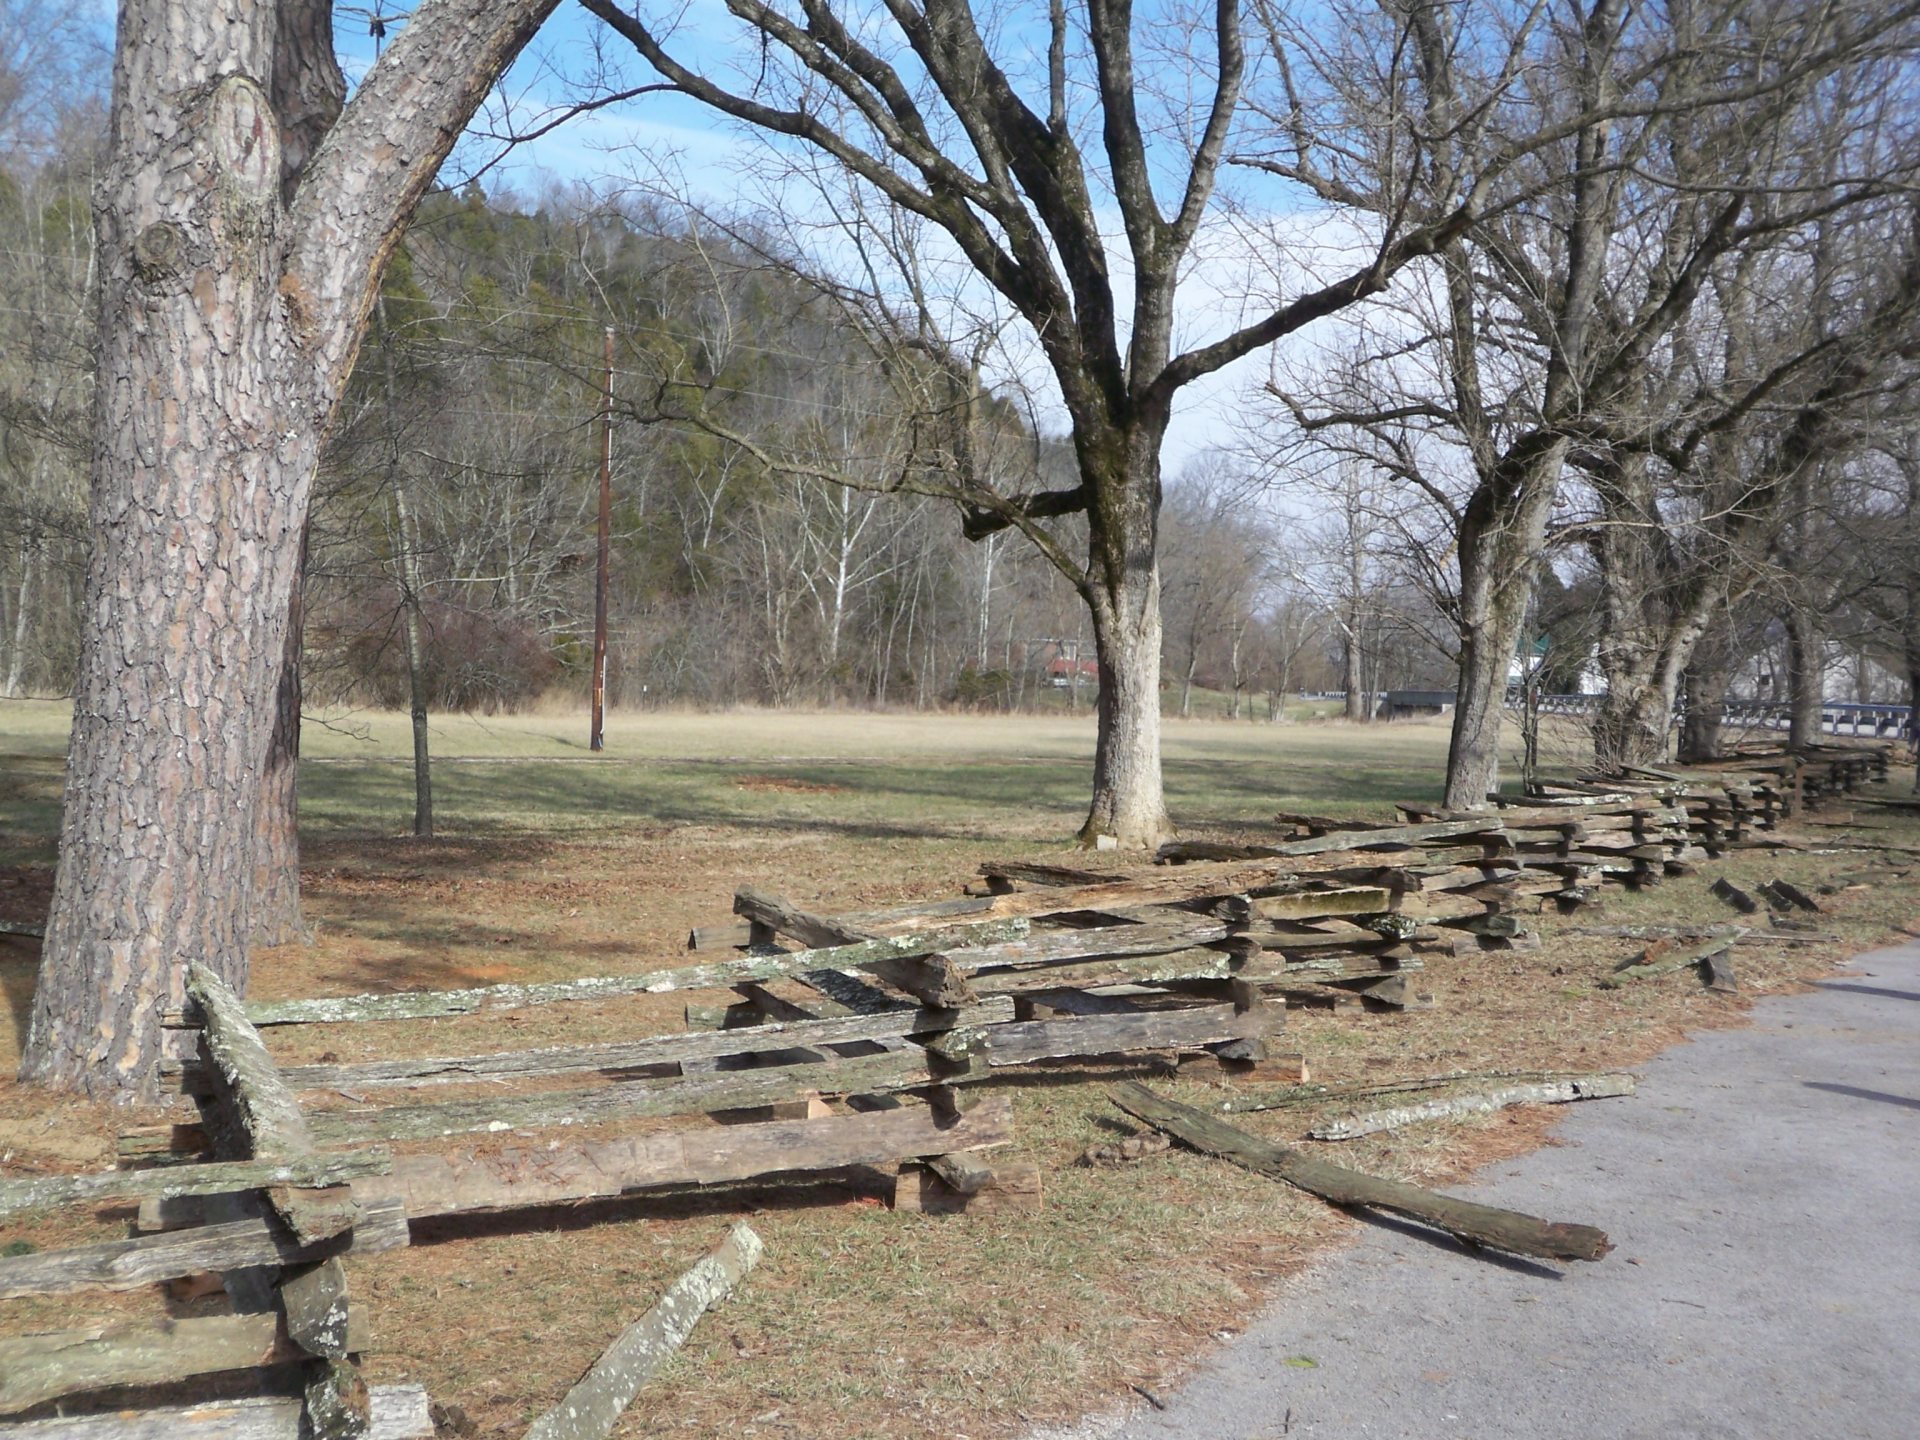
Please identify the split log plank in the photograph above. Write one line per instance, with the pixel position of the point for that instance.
(313, 1301)
(260, 1102)
(593, 1406)
(495, 1177)
(1311, 904)
(699, 1093)
(1053, 946)
(428, 1004)
(1792, 897)
(257, 1116)
(1555, 1092)
(1185, 884)
(1398, 836)
(782, 1034)
(1050, 876)
(835, 991)
(961, 1171)
(1735, 896)
(236, 1245)
(38, 1368)
(1187, 963)
(1277, 1097)
(1024, 1042)
(738, 935)
(399, 1412)
(783, 917)
(935, 981)
(1486, 1225)
(47, 1191)
(1654, 963)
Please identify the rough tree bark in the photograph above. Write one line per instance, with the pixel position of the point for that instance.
(1705, 682)
(1656, 604)
(1502, 538)
(229, 316)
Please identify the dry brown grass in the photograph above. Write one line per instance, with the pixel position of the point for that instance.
(860, 1321)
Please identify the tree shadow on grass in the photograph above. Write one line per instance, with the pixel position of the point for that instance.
(541, 799)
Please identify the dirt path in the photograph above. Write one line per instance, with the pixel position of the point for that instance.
(1764, 1194)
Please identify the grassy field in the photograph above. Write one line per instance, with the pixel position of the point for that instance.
(861, 1322)
(991, 777)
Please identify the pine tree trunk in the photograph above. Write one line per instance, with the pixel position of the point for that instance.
(198, 484)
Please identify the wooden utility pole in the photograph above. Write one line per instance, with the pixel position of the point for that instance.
(597, 740)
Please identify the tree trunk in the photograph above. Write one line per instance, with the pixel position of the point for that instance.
(1806, 676)
(276, 866)
(1631, 722)
(1502, 536)
(1700, 728)
(1128, 803)
(1352, 670)
(1708, 677)
(1473, 749)
(17, 652)
(1236, 634)
(415, 631)
(1910, 629)
(1129, 806)
(230, 304)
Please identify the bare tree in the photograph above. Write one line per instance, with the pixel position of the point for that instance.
(912, 101)
(1621, 168)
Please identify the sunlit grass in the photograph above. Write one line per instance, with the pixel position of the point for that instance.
(1007, 777)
